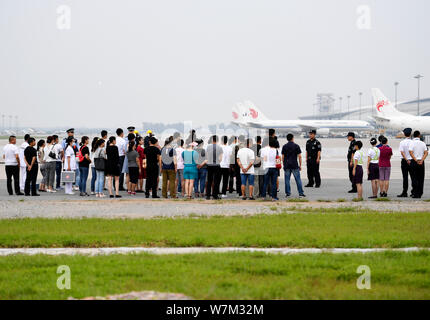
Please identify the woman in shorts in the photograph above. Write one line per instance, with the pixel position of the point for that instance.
(357, 171)
(190, 157)
(373, 167)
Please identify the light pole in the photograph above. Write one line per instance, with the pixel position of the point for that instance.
(348, 97)
(340, 100)
(395, 87)
(2, 122)
(359, 95)
(418, 77)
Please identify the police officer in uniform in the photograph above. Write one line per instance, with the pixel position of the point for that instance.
(351, 151)
(313, 157)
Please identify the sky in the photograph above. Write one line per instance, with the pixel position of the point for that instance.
(120, 62)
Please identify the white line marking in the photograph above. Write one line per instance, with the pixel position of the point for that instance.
(191, 250)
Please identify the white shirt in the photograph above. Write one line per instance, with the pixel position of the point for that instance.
(418, 148)
(179, 160)
(122, 145)
(268, 157)
(47, 150)
(57, 149)
(404, 147)
(10, 151)
(226, 155)
(359, 156)
(22, 164)
(374, 153)
(246, 156)
(69, 153)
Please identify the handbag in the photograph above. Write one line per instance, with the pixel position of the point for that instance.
(68, 176)
(278, 161)
(52, 154)
(100, 164)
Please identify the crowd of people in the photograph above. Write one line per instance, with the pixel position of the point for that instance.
(378, 163)
(190, 168)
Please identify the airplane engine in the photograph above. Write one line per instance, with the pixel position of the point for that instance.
(323, 131)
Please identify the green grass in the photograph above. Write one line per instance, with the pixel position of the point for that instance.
(220, 276)
(341, 227)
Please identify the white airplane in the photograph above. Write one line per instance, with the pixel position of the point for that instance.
(249, 116)
(388, 116)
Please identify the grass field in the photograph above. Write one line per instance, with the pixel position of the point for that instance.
(328, 230)
(220, 276)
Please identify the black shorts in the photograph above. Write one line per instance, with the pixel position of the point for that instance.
(373, 171)
(134, 174)
(358, 178)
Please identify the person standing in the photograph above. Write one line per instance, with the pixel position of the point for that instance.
(92, 165)
(59, 152)
(190, 158)
(258, 171)
(268, 156)
(133, 167)
(12, 166)
(153, 163)
(69, 162)
(384, 167)
(357, 170)
(30, 158)
(290, 153)
(418, 151)
(168, 169)
(23, 167)
(245, 160)
(75, 146)
(406, 161)
(84, 165)
(42, 164)
(373, 167)
(122, 148)
(100, 167)
(313, 158)
(234, 167)
(202, 169)
(225, 165)
(142, 174)
(113, 169)
(50, 159)
(180, 167)
(214, 157)
(351, 151)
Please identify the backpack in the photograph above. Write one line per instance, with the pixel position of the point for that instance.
(79, 155)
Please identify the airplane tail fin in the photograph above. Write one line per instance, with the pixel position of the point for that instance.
(239, 114)
(384, 107)
(254, 113)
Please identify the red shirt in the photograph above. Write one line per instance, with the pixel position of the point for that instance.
(385, 156)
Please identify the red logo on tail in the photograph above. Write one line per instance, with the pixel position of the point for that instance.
(380, 104)
(235, 115)
(253, 113)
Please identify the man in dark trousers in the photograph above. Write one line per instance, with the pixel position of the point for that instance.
(30, 157)
(214, 157)
(351, 151)
(418, 151)
(153, 163)
(313, 157)
(406, 161)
